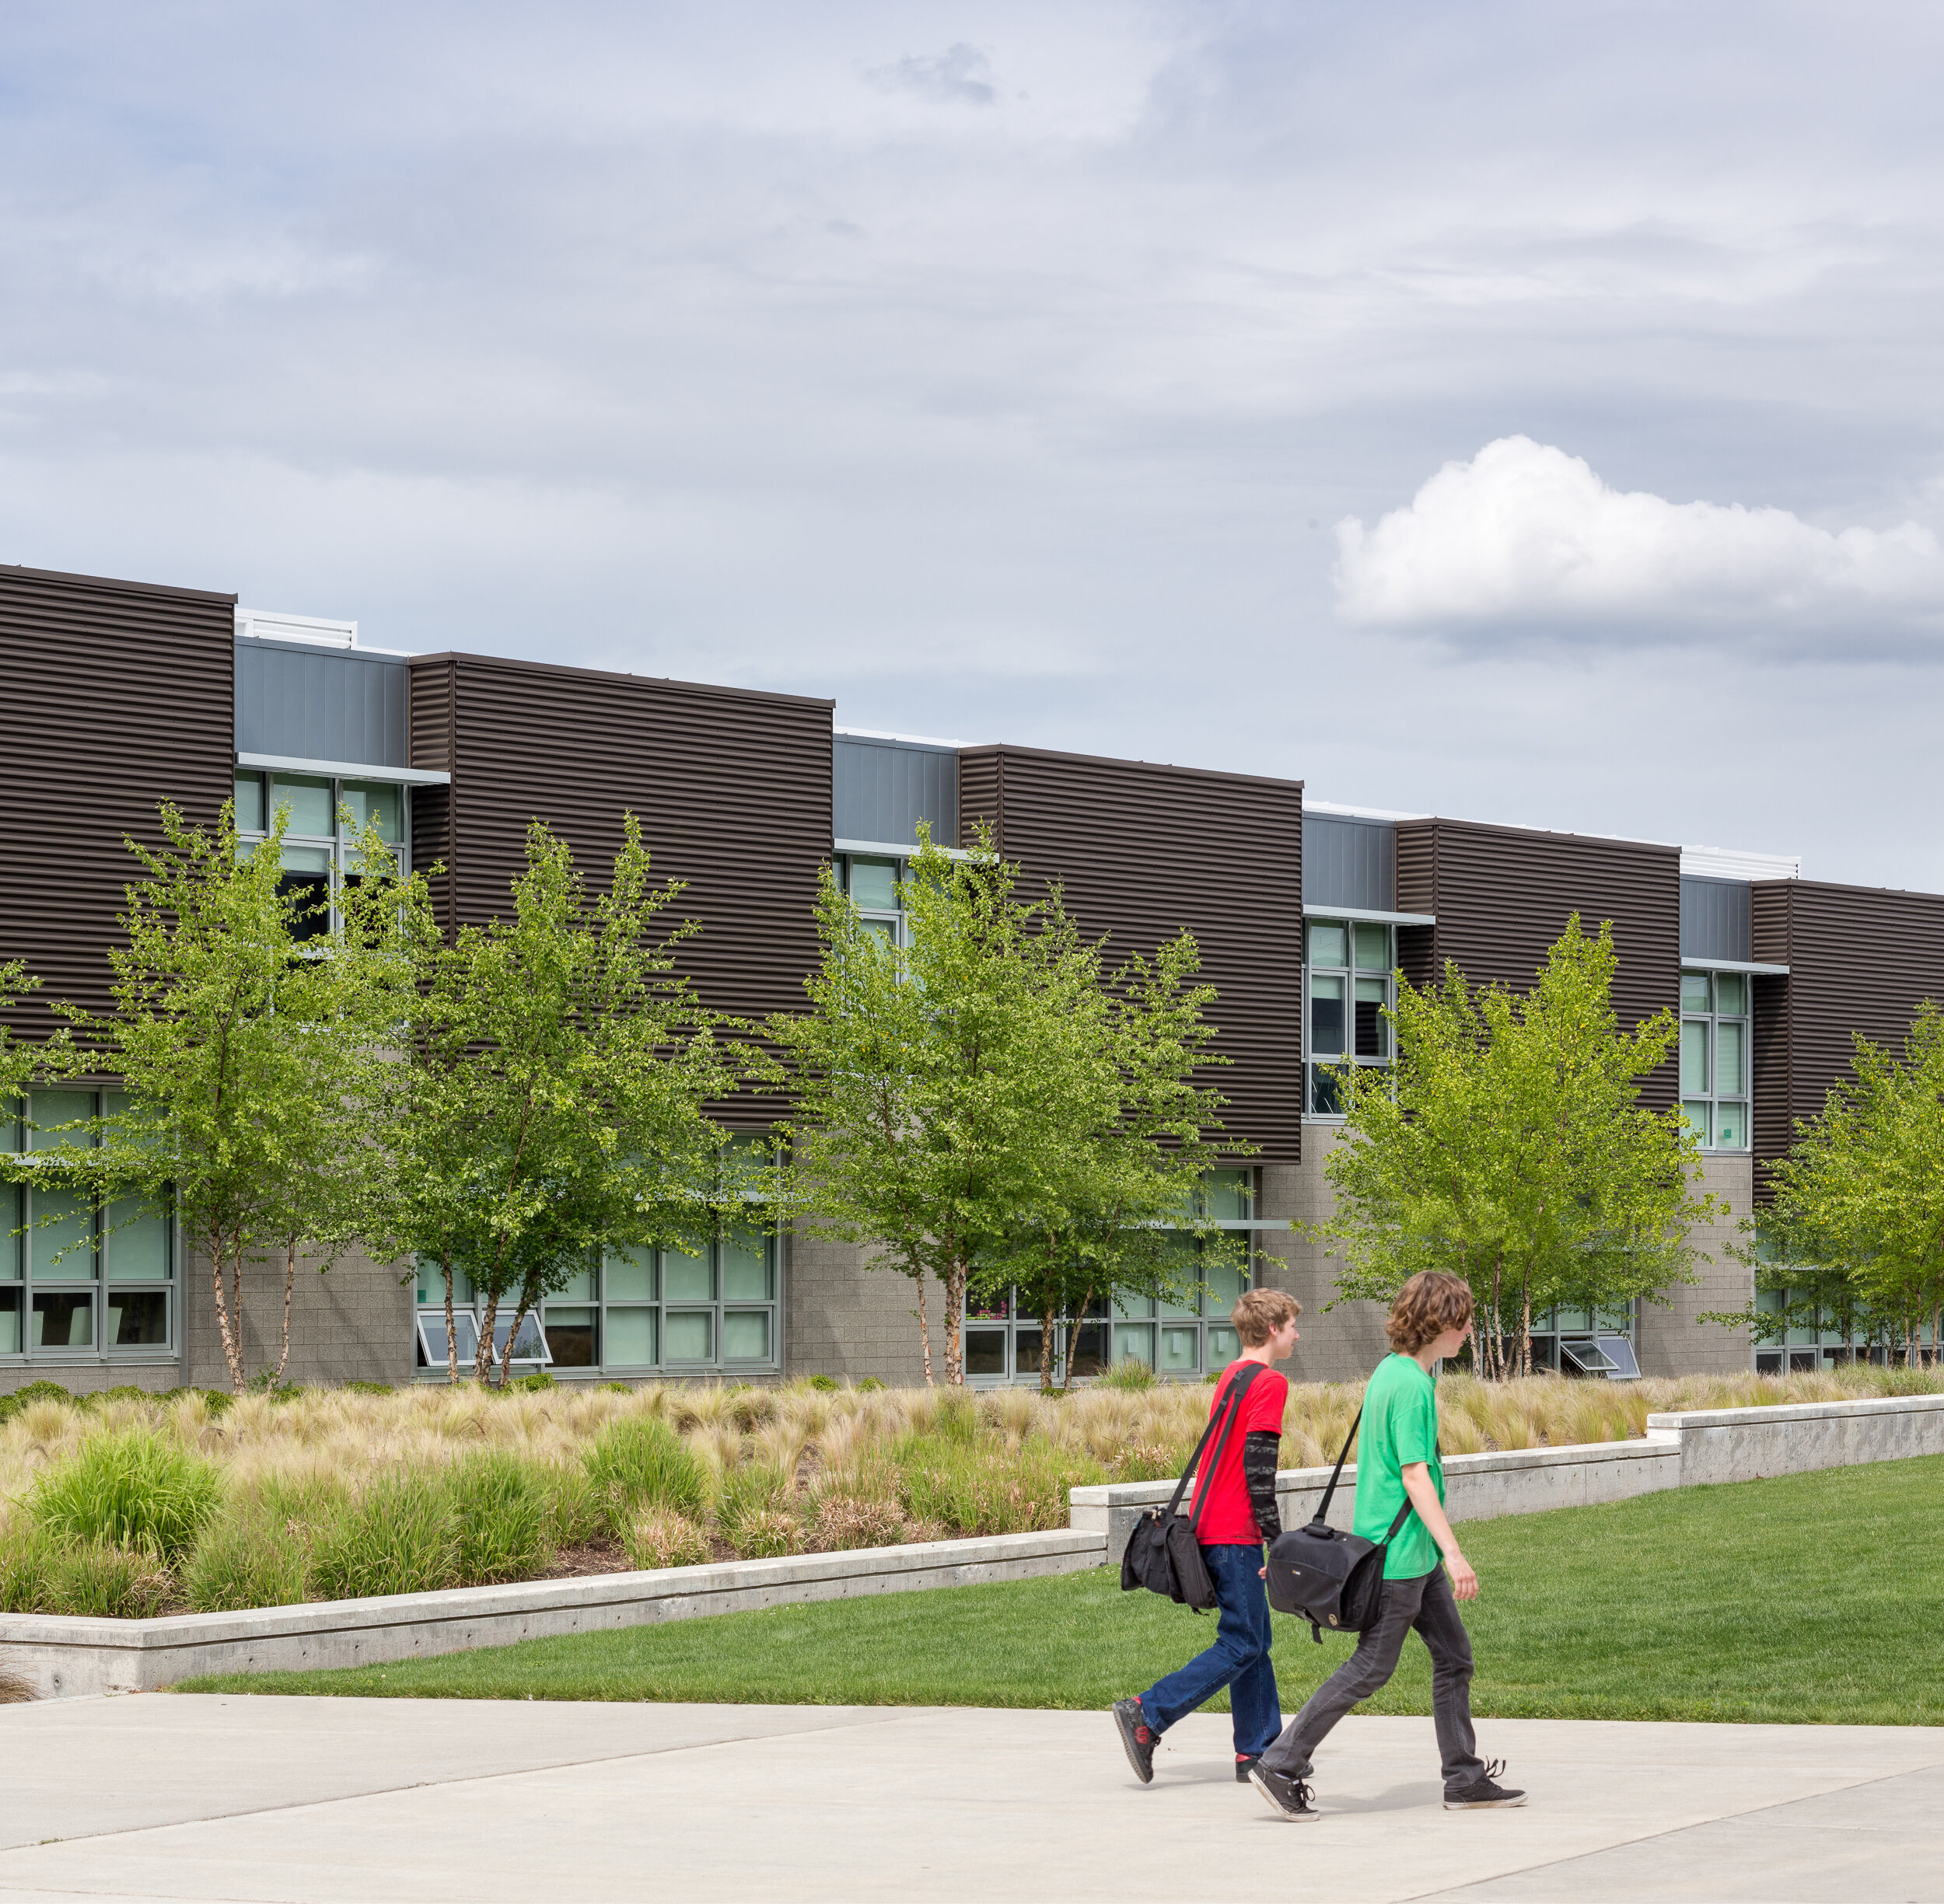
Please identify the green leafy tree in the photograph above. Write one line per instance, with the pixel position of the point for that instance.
(982, 1102)
(1861, 1194)
(251, 1051)
(1507, 1145)
(555, 1100)
(1801, 1281)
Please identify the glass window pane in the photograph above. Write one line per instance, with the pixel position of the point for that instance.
(1697, 992)
(49, 1109)
(1325, 1016)
(1731, 1126)
(1135, 1307)
(1329, 945)
(1026, 1352)
(1373, 947)
(1089, 1349)
(630, 1338)
(1224, 1345)
(1134, 1342)
(381, 807)
(431, 1333)
(985, 1352)
(570, 1337)
(138, 1318)
(137, 1244)
(63, 1250)
(250, 803)
(64, 1319)
(1697, 1114)
(686, 1278)
(575, 1289)
(10, 1132)
(1731, 994)
(1229, 1195)
(631, 1277)
(689, 1336)
(431, 1283)
(884, 929)
(746, 1268)
(529, 1346)
(1373, 1029)
(746, 1335)
(9, 1322)
(306, 884)
(1179, 1351)
(11, 1198)
(1326, 1096)
(1225, 1285)
(874, 885)
(1694, 1054)
(310, 801)
(1730, 1036)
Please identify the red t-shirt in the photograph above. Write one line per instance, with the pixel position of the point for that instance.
(1228, 1520)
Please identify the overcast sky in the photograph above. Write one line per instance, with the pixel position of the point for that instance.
(1525, 412)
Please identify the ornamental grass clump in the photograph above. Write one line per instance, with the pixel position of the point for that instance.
(658, 1537)
(42, 1572)
(639, 1462)
(501, 1518)
(839, 1522)
(255, 1553)
(397, 1535)
(989, 1490)
(133, 1490)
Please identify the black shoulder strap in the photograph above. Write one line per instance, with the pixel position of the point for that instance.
(1224, 1419)
(1336, 1474)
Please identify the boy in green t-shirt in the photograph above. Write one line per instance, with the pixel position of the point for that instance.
(1397, 1461)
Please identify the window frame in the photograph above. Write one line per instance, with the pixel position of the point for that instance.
(1713, 1097)
(1314, 1065)
(337, 845)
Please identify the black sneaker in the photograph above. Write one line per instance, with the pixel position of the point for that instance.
(1288, 1797)
(1245, 1764)
(1137, 1736)
(1483, 1793)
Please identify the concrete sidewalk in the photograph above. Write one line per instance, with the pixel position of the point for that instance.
(156, 1796)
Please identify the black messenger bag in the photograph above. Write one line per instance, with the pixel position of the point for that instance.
(1329, 1577)
(1162, 1553)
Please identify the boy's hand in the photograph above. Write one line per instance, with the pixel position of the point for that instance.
(1464, 1582)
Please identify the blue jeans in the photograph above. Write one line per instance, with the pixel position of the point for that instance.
(1239, 1659)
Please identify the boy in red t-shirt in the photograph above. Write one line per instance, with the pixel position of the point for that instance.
(1238, 1501)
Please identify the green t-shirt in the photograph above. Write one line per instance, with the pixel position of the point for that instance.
(1400, 1426)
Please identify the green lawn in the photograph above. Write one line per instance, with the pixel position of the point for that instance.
(1814, 1598)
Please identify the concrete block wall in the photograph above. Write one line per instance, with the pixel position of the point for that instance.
(1670, 1341)
(843, 1318)
(1346, 1344)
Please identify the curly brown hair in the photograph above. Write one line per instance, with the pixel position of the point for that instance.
(1429, 1304)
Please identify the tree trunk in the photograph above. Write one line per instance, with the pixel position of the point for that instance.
(452, 1340)
(1073, 1337)
(232, 1348)
(1524, 1328)
(482, 1357)
(925, 1329)
(1048, 1323)
(527, 1297)
(1494, 1367)
(290, 1278)
(954, 1279)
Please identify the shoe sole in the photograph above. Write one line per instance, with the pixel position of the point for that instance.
(1144, 1773)
(1287, 1817)
(1484, 1804)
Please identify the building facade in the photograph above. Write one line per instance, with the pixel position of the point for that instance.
(123, 696)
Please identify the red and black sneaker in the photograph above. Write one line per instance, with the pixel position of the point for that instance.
(1245, 1764)
(1137, 1736)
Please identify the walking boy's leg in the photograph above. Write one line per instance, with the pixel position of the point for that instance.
(1241, 1640)
(1366, 1671)
(1443, 1632)
(1254, 1706)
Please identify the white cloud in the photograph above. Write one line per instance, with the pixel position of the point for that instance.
(1525, 534)
(961, 75)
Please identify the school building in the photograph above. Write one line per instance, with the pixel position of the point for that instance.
(122, 694)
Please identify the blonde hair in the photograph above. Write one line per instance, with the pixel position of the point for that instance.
(1260, 1312)
(1429, 1304)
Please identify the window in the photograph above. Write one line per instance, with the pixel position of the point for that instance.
(1715, 1056)
(318, 850)
(1347, 987)
(639, 1311)
(1585, 1342)
(872, 884)
(77, 1281)
(1184, 1339)
(1807, 1347)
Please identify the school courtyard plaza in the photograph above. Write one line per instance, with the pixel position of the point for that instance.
(159, 1795)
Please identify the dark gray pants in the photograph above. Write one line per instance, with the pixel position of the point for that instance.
(1425, 1603)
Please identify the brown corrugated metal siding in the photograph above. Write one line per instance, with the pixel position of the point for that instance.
(118, 695)
(731, 787)
(1502, 897)
(1860, 959)
(1144, 850)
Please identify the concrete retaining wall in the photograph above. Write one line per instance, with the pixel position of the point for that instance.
(1686, 1450)
(66, 1657)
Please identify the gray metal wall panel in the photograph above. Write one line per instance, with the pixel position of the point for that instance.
(1144, 850)
(1349, 862)
(881, 789)
(1714, 919)
(322, 703)
(118, 695)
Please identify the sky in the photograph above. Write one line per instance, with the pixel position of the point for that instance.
(1514, 411)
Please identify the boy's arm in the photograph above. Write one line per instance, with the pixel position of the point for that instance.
(1259, 1449)
(1424, 1496)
